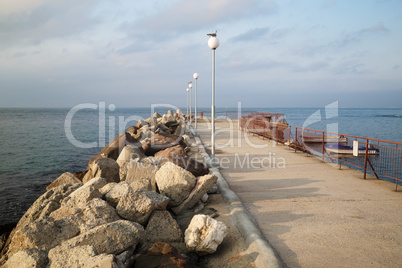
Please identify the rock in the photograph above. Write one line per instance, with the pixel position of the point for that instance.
(204, 198)
(161, 255)
(156, 115)
(141, 123)
(113, 149)
(171, 152)
(130, 152)
(141, 170)
(159, 200)
(135, 206)
(162, 228)
(117, 192)
(103, 167)
(65, 178)
(174, 182)
(46, 204)
(204, 234)
(44, 234)
(110, 238)
(81, 256)
(161, 141)
(80, 197)
(27, 258)
(144, 184)
(177, 156)
(213, 190)
(97, 212)
(105, 189)
(203, 184)
(187, 140)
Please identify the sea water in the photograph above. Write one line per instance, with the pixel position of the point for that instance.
(36, 147)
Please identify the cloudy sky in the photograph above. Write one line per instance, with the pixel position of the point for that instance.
(288, 53)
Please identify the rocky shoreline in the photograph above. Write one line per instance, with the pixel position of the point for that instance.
(123, 210)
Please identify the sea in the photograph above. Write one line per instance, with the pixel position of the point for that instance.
(39, 144)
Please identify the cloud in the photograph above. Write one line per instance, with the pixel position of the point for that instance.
(43, 20)
(251, 35)
(373, 29)
(185, 16)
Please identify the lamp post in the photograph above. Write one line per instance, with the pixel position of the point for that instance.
(195, 76)
(213, 43)
(187, 99)
(190, 86)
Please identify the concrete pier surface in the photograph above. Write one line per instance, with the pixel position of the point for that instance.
(313, 214)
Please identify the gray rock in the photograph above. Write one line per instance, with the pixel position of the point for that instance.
(162, 228)
(65, 178)
(103, 167)
(27, 258)
(202, 186)
(111, 238)
(174, 182)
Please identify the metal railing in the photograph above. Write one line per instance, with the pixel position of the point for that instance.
(380, 158)
(267, 125)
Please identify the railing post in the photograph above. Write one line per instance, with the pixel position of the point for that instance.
(323, 139)
(296, 140)
(365, 159)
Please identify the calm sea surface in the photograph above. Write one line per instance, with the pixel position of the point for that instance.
(38, 145)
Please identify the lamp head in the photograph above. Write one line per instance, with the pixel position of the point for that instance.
(195, 76)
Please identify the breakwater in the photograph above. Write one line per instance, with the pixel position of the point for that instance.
(119, 211)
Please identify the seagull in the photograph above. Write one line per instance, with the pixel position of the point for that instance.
(212, 34)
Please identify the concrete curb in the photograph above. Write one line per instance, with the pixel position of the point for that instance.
(259, 248)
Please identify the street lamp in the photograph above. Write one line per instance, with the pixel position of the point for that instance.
(213, 43)
(190, 86)
(187, 99)
(195, 76)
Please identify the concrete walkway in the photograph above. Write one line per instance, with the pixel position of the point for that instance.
(313, 214)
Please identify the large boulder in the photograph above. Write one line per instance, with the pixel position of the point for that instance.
(113, 149)
(202, 186)
(27, 258)
(103, 167)
(141, 170)
(137, 206)
(65, 178)
(110, 238)
(118, 191)
(177, 156)
(161, 141)
(162, 228)
(80, 256)
(80, 197)
(174, 182)
(161, 255)
(204, 234)
(44, 234)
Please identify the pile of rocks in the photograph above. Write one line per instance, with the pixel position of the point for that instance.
(121, 211)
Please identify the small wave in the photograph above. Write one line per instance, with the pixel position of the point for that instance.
(390, 115)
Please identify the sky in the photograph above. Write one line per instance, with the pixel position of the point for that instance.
(288, 53)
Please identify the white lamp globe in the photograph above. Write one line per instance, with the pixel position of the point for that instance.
(187, 89)
(195, 76)
(213, 42)
(190, 85)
